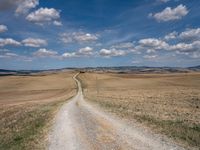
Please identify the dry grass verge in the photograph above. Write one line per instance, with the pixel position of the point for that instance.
(25, 125)
(168, 103)
(26, 117)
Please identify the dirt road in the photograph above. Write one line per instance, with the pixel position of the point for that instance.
(82, 126)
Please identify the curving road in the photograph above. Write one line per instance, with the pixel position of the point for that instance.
(82, 126)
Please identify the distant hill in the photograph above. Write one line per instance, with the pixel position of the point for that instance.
(4, 72)
(196, 68)
(119, 69)
(142, 69)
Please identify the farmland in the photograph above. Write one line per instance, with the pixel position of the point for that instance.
(167, 103)
(28, 105)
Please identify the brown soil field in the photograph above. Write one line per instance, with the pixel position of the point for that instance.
(167, 103)
(28, 105)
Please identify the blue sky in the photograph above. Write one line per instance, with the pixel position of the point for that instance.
(44, 34)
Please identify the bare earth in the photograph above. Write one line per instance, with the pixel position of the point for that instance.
(80, 125)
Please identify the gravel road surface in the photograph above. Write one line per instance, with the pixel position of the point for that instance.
(83, 126)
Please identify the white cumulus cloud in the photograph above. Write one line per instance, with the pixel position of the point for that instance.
(153, 43)
(3, 28)
(20, 6)
(190, 34)
(169, 13)
(43, 52)
(150, 56)
(57, 23)
(9, 41)
(83, 37)
(34, 42)
(186, 47)
(25, 5)
(78, 37)
(86, 52)
(69, 55)
(112, 52)
(45, 15)
(171, 36)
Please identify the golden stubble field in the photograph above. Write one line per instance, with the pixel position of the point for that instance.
(167, 103)
(28, 105)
